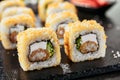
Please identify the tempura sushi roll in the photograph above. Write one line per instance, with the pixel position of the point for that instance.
(8, 4)
(61, 6)
(42, 7)
(85, 41)
(11, 26)
(18, 10)
(38, 48)
(59, 23)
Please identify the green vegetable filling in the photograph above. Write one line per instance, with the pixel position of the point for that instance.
(50, 48)
(78, 42)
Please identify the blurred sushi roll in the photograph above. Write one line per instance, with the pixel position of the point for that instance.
(11, 26)
(85, 40)
(42, 8)
(18, 10)
(59, 23)
(61, 6)
(38, 48)
(8, 4)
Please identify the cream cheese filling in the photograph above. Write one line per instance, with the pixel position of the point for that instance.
(17, 28)
(89, 37)
(38, 45)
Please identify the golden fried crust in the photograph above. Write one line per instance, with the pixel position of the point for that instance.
(57, 17)
(10, 3)
(18, 19)
(66, 45)
(78, 27)
(18, 10)
(8, 22)
(42, 5)
(86, 25)
(25, 38)
(62, 6)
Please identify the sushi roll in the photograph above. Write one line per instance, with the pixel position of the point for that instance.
(8, 4)
(61, 6)
(42, 7)
(59, 23)
(85, 40)
(11, 26)
(18, 10)
(38, 48)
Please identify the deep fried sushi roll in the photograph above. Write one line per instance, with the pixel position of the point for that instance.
(59, 23)
(42, 8)
(8, 4)
(61, 6)
(38, 48)
(85, 41)
(11, 26)
(18, 10)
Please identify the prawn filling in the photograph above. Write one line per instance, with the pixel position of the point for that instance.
(14, 31)
(40, 51)
(61, 28)
(87, 43)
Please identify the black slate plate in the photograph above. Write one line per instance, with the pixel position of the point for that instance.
(11, 70)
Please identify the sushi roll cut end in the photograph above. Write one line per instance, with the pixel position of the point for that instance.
(37, 49)
(85, 40)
